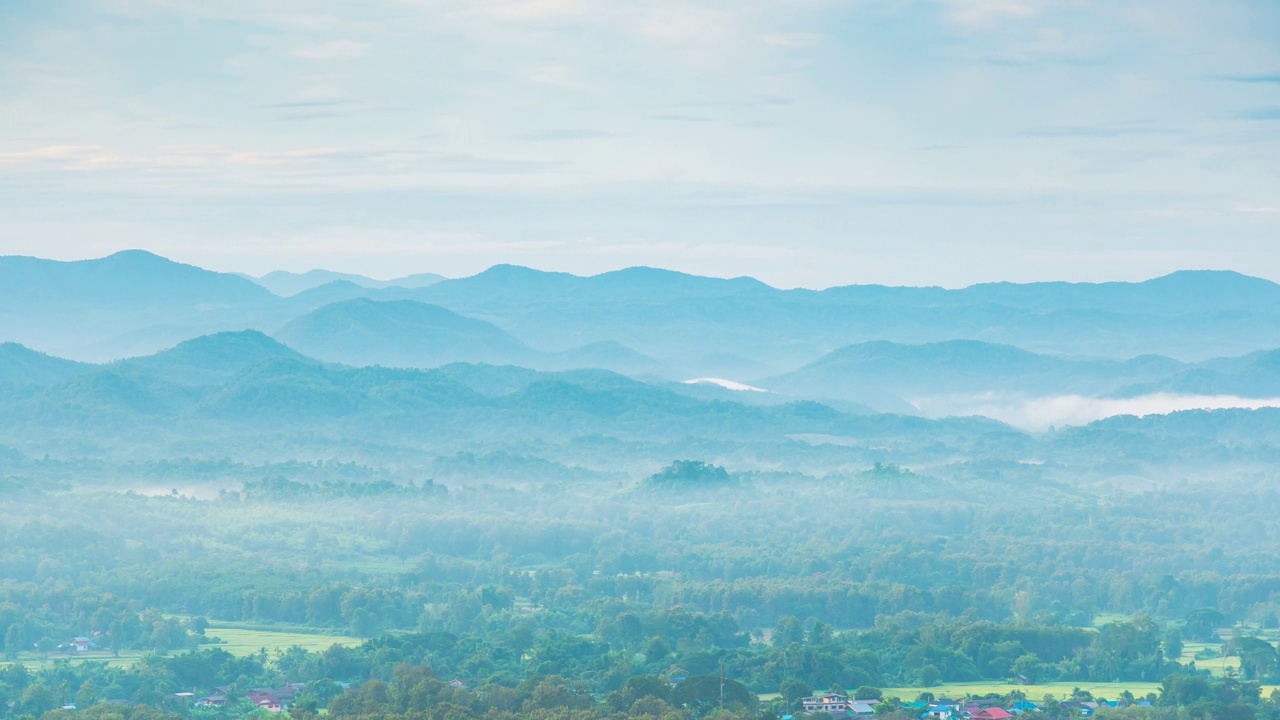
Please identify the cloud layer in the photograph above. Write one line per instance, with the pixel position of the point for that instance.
(809, 142)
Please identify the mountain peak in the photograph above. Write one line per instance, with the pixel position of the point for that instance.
(211, 358)
(402, 333)
(20, 365)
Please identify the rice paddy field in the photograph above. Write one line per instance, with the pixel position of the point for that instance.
(241, 641)
(1035, 693)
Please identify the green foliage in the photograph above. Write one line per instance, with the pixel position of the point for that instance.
(685, 476)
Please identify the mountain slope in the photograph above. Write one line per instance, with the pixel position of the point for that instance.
(861, 372)
(400, 334)
(679, 319)
(132, 302)
(1256, 375)
(21, 365)
(286, 284)
(210, 359)
(132, 279)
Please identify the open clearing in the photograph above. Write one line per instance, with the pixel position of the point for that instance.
(241, 642)
(1035, 693)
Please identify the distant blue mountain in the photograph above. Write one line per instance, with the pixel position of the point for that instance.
(129, 279)
(678, 318)
(211, 358)
(399, 334)
(1256, 375)
(286, 284)
(129, 303)
(20, 365)
(673, 324)
(247, 393)
(866, 372)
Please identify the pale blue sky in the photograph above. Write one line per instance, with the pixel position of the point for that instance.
(804, 142)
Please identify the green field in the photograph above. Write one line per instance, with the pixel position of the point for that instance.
(1035, 693)
(1216, 666)
(35, 662)
(241, 641)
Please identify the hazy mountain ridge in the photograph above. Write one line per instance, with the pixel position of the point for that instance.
(1030, 390)
(972, 367)
(246, 391)
(678, 318)
(20, 365)
(129, 303)
(399, 333)
(210, 359)
(135, 303)
(138, 408)
(286, 284)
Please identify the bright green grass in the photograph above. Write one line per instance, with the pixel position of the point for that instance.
(241, 642)
(1035, 693)
(1216, 666)
(34, 662)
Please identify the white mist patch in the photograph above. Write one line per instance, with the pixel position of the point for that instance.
(726, 384)
(1041, 413)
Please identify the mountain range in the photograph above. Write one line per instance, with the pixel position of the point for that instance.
(867, 345)
(284, 283)
(245, 395)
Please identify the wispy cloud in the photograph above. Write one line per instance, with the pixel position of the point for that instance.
(679, 117)
(305, 104)
(1271, 79)
(565, 134)
(1106, 161)
(684, 23)
(1253, 210)
(1262, 113)
(560, 76)
(519, 10)
(986, 12)
(1042, 413)
(1093, 131)
(333, 50)
(792, 39)
(71, 157)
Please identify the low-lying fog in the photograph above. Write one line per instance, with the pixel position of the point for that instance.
(1042, 413)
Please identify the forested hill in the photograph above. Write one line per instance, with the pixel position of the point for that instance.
(246, 396)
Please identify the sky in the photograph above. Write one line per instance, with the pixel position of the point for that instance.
(803, 142)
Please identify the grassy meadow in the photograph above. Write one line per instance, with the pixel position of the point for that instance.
(242, 641)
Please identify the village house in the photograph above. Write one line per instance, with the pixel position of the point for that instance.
(266, 701)
(836, 704)
(830, 702)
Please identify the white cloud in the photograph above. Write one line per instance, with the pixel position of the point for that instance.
(682, 23)
(985, 12)
(69, 157)
(1042, 413)
(792, 40)
(560, 76)
(334, 50)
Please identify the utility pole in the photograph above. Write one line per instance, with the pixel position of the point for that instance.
(722, 685)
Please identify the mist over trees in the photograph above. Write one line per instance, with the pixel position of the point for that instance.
(453, 538)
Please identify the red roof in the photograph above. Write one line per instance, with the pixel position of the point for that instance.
(994, 713)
